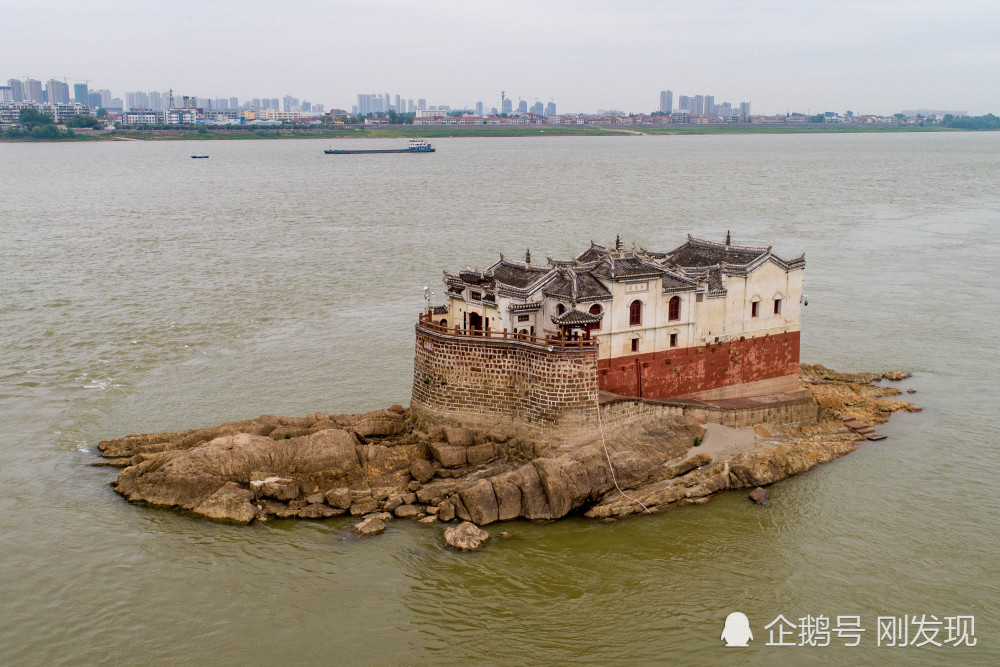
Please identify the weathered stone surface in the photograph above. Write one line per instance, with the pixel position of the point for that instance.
(508, 496)
(534, 504)
(408, 511)
(388, 467)
(446, 511)
(465, 536)
(450, 456)
(279, 510)
(364, 506)
(277, 488)
(435, 489)
(462, 437)
(339, 497)
(329, 469)
(379, 423)
(565, 482)
(896, 376)
(760, 495)
(422, 470)
(762, 467)
(428, 519)
(230, 503)
(319, 511)
(370, 526)
(479, 454)
(480, 502)
(678, 468)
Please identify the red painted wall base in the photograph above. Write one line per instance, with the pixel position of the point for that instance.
(691, 370)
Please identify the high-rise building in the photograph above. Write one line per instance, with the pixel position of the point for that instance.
(537, 108)
(710, 104)
(80, 93)
(479, 108)
(234, 103)
(33, 90)
(16, 90)
(685, 104)
(94, 101)
(6, 94)
(666, 101)
(744, 110)
(699, 104)
(550, 109)
(410, 106)
(399, 109)
(274, 103)
(57, 92)
(508, 106)
(421, 104)
(291, 103)
(522, 106)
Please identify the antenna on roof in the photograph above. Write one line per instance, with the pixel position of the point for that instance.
(728, 240)
(527, 256)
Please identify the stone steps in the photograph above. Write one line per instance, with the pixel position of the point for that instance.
(867, 430)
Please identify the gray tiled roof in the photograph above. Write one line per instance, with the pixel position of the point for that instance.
(517, 274)
(587, 287)
(575, 317)
(699, 252)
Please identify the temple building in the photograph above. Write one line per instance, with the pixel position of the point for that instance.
(705, 320)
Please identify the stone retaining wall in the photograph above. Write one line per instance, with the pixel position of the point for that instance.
(477, 378)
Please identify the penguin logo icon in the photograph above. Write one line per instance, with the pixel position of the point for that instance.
(737, 631)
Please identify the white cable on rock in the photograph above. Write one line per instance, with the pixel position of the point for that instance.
(600, 424)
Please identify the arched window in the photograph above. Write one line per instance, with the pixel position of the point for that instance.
(674, 309)
(635, 313)
(560, 309)
(595, 309)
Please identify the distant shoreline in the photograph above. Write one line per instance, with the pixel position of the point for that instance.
(403, 131)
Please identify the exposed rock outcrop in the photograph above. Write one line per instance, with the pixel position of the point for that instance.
(394, 463)
(465, 536)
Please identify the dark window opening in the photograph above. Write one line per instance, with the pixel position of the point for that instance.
(754, 308)
(777, 306)
(674, 310)
(635, 314)
(635, 344)
(595, 309)
(560, 309)
(673, 340)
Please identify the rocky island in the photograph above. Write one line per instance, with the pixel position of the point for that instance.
(398, 463)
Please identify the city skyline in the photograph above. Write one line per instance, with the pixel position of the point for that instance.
(585, 57)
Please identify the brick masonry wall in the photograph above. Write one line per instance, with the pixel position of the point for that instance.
(507, 380)
(689, 371)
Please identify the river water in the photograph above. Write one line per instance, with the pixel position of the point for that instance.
(144, 291)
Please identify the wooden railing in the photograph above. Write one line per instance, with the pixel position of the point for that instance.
(561, 342)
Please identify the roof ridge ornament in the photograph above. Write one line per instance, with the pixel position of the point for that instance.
(527, 256)
(619, 246)
(729, 241)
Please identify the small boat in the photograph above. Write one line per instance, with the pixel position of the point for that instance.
(415, 146)
(199, 157)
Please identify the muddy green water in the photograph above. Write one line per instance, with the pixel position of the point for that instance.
(144, 291)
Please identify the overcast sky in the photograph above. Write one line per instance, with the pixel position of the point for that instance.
(795, 55)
